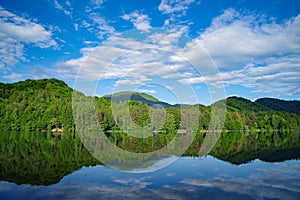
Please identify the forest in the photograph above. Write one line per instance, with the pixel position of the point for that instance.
(42, 105)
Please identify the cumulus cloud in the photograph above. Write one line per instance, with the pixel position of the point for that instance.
(15, 32)
(139, 20)
(249, 50)
(234, 40)
(254, 52)
(129, 59)
(131, 62)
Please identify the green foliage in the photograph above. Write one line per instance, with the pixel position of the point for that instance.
(240, 104)
(127, 95)
(280, 105)
(135, 96)
(238, 148)
(35, 105)
(40, 158)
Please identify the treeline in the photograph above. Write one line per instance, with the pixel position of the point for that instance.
(243, 114)
(42, 105)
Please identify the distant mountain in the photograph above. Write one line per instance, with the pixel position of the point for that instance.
(239, 104)
(280, 105)
(142, 97)
(136, 96)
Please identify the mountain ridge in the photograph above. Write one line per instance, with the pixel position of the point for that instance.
(279, 104)
(46, 104)
(61, 88)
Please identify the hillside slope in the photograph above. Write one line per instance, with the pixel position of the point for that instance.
(240, 104)
(36, 105)
(135, 96)
(280, 105)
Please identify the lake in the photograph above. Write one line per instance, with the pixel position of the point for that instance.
(253, 165)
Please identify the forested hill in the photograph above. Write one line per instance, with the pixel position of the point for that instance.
(135, 96)
(36, 105)
(53, 86)
(242, 104)
(47, 103)
(280, 105)
(141, 97)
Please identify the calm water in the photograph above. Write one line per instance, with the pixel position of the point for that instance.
(241, 166)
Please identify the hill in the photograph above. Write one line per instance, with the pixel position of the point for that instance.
(54, 86)
(280, 105)
(40, 105)
(243, 114)
(136, 96)
(239, 104)
(36, 105)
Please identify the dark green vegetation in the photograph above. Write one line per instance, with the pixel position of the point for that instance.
(238, 148)
(135, 96)
(280, 105)
(40, 158)
(29, 110)
(125, 96)
(243, 114)
(36, 105)
(41, 105)
(43, 159)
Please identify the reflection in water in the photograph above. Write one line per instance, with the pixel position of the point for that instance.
(239, 148)
(42, 159)
(39, 158)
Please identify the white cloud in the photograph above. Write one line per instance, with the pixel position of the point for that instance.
(14, 76)
(147, 91)
(254, 52)
(76, 26)
(97, 3)
(102, 26)
(58, 6)
(234, 40)
(15, 31)
(175, 10)
(174, 6)
(250, 50)
(167, 41)
(134, 182)
(274, 183)
(134, 62)
(169, 87)
(68, 3)
(282, 77)
(139, 20)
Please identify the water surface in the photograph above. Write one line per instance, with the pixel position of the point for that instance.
(241, 166)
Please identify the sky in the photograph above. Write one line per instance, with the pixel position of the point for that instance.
(179, 51)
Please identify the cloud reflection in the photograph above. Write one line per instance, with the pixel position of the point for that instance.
(281, 183)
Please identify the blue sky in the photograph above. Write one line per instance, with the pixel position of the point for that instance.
(184, 51)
